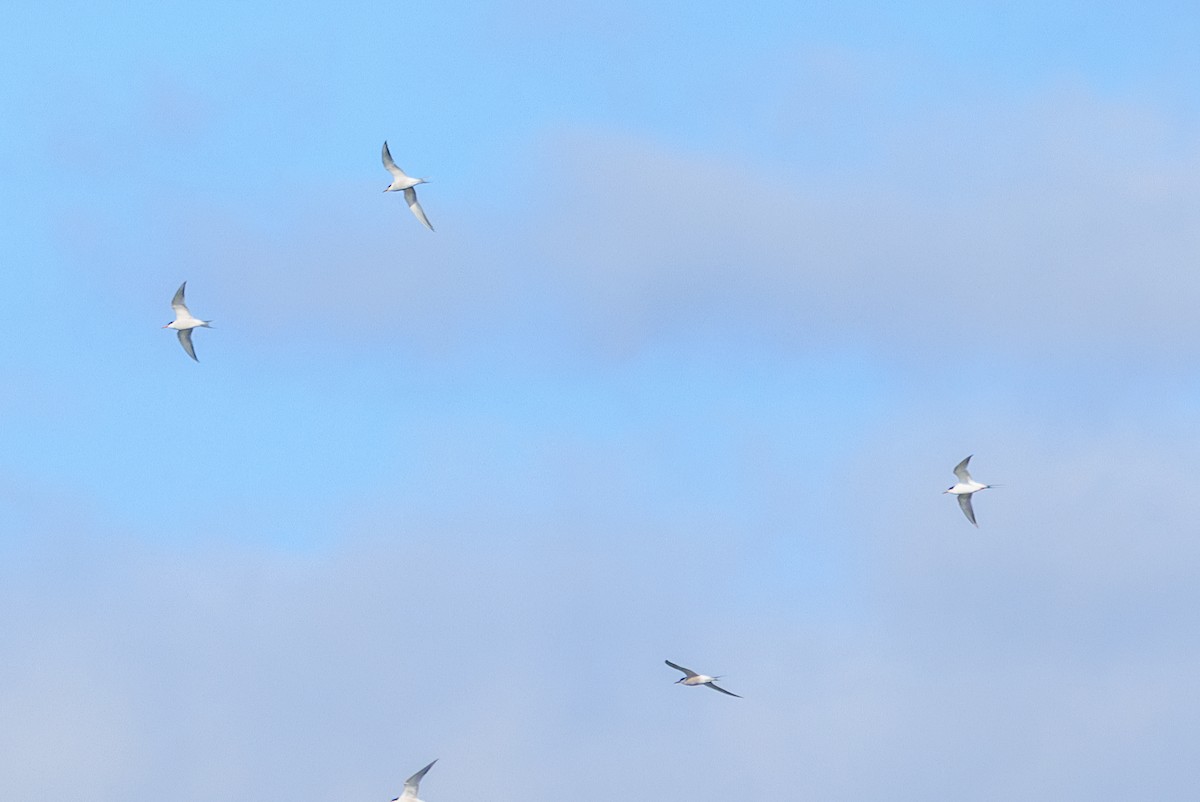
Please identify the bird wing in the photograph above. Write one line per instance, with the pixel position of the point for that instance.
(722, 690)
(686, 671)
(964, 501)
(177, 302)
(410, 195)
(960, 470)
(391, 165)
(185, 339)
(412, 783)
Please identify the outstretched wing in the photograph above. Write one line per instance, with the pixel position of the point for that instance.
(964, 501)
(412, 784)
(686, 671)
(410, 195)
(177, 302)
(960, 470)
(391, 165)
(722, 690)
(185, 339)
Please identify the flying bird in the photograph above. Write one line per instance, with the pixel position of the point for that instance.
(692, 678)
(412, 784)
(965, 488)
(184, 322)
(405, 182)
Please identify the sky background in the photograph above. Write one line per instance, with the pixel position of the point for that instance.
(719, 295)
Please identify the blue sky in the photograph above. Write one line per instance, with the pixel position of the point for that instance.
(719, 295)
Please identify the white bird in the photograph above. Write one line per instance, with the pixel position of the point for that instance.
(184, 322)
(411, 785)
(692, 678)
(405, 182)
(965, 488)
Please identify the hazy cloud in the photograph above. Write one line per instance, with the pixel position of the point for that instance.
(1070, 216)
(1046, 655)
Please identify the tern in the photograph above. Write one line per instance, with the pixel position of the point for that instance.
(692, 678)
(405, 182)
(965, 487)
(411, 785)
(184, 322)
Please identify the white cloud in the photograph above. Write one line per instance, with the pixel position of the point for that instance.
(1047, 655)
(1038, 228)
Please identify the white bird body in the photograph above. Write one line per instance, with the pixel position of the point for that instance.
(403, 181)
(692, 678)
(184, 322)
(412, 786)
(964, 488)
(967, 488)
(699, 679)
